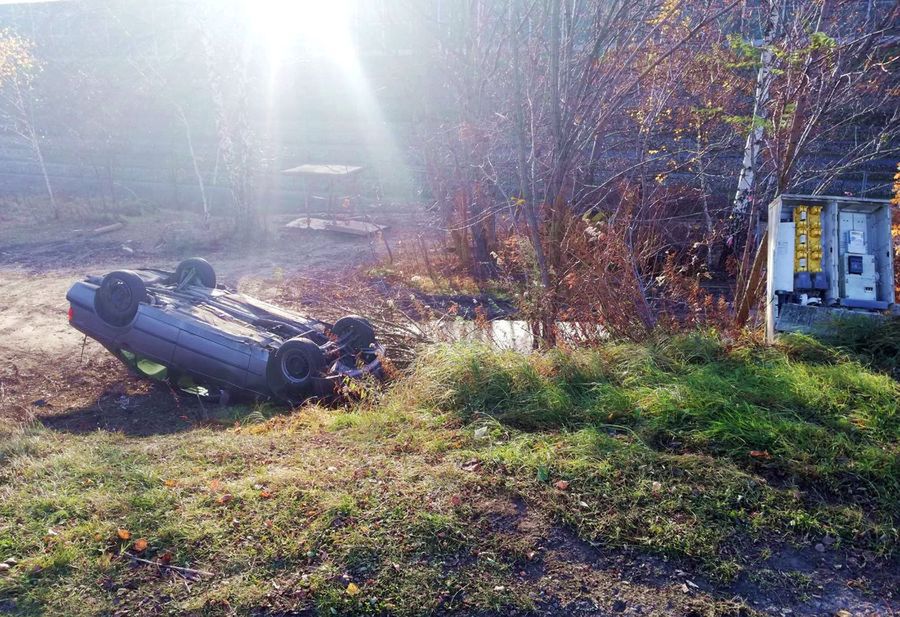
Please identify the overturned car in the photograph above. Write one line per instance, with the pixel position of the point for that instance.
(183, 327)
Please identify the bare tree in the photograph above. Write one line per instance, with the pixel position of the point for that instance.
(18, 68)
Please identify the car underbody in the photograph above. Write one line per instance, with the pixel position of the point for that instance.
(185, 328)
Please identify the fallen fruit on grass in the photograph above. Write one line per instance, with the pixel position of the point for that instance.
(352, 589)
(123, 534)
(140, 545)
(760, 454)
(456, 501)
(264, 494)
(562, 485)
(223, 499)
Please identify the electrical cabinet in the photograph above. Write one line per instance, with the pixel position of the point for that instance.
(828, 253)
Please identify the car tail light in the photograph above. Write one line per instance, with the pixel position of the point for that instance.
(71, 313)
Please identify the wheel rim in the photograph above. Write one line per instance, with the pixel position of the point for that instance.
(120, 298)
(295, 367)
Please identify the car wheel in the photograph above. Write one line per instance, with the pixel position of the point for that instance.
(195, 270)
(116, 300)
(354, 332)
(294, 368)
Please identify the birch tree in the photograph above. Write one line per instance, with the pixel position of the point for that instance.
(747, 179)
(18, 68)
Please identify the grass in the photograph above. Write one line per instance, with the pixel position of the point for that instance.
(830, 426)
(437, 496)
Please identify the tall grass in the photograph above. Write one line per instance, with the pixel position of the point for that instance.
(802, 415)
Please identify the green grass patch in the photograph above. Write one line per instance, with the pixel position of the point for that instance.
(724, 422)
(436, 495)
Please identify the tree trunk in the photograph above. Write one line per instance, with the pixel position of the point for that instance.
(35, 144)
(199, 176)
(522, 157)
(747, 178)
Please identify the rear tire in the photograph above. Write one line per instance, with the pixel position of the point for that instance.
(117, 299)
(197, 271)
(354, 332)
(294, 368)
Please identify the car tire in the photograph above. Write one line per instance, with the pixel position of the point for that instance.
(197, 270)
(354, 332)
(295, 367)
(117, 299)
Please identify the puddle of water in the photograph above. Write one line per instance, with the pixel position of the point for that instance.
(513, 334)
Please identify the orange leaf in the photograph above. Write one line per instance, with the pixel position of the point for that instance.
(123, 534)
(140, 545)
(264, 494)
(170, 483)
(223, 499)
(561, 485)
(215, 485)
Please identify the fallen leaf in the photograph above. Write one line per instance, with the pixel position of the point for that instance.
(481, 433)
(760, 454)
(123, 534)
(215, 485)
(223, 499)
(264, 494)
(140, 545)
(352, 589)
(170, 483)
(656, 487)
(561, 485)
(472, 465)
(166, 557)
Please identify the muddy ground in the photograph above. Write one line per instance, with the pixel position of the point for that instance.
(52, 374)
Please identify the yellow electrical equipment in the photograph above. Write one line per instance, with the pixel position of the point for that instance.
(801, 239)
(814, 245)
